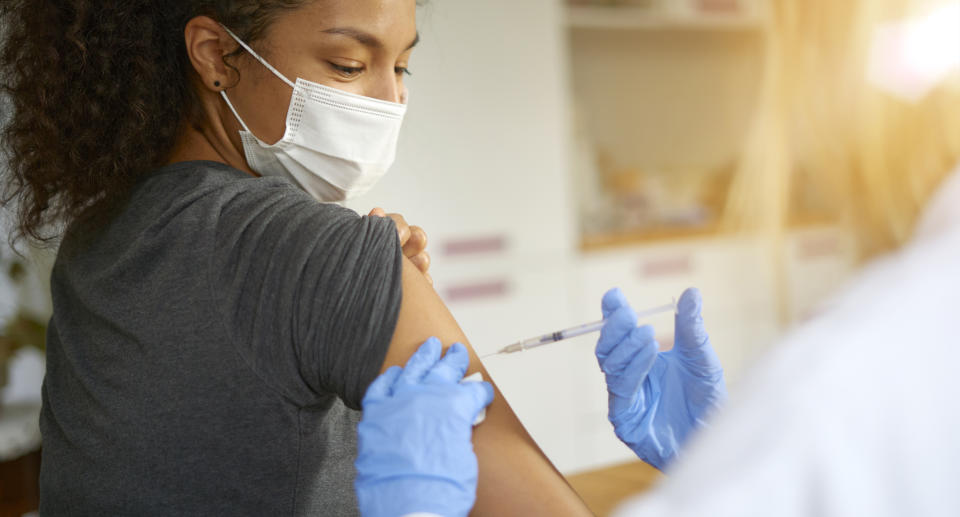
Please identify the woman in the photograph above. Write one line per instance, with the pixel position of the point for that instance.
(855, 413)
(214, 326)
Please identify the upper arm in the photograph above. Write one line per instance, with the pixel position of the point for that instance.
(516, 478)
(309, 293)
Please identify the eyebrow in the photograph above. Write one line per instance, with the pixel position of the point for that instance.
(365, 38)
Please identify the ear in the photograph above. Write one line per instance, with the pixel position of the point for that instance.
(207, 43)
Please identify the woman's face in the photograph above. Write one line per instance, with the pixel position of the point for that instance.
(359, 46)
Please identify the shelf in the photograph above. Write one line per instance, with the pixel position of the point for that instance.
(636, 18)
(616, 239)
(656, 235)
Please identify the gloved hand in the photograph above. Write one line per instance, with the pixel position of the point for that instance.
(657, 398)
(414, 449)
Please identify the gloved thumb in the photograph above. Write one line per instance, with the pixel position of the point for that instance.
(689, 330)
(692, 342)
(612, 300)
(479, 395)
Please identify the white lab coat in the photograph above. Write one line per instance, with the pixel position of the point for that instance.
(857, 413)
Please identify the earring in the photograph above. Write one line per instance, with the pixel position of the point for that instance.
(216, 83)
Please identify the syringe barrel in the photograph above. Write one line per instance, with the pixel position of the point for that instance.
(516, 347)
(579, 330)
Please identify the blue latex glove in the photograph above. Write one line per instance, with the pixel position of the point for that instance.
(414, 450)
(657, 398)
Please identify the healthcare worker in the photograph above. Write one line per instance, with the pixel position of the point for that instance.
(217, 317)
(855, 413)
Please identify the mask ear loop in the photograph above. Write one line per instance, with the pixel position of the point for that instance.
(263, 62)
(258, 58)
(223, 94)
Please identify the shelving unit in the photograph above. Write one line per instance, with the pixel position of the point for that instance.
(643, 18)
(664, 91)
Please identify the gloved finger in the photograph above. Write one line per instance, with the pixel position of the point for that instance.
(382, 386)
(618, 326)
(689, 330)
(416, 243)
(627, 387)
(420, 362)
(449, 369)
(480, 395)
(612, 300)
(377, 212)
(640, 342)
(692, 342)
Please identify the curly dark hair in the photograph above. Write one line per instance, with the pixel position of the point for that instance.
(96, 91)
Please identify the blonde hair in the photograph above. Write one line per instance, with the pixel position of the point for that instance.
(875, 158)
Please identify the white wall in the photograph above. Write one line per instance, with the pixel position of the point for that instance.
(483, 155)
(484, 163)
(487, 119)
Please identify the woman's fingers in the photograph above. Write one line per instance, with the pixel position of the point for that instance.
(403, 229)
(416, 243)
(421, 261)
(416, 250)
(413, 240)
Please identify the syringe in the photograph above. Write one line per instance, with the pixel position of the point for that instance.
(579, 330)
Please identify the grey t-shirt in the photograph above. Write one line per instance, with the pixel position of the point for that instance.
(206, 349)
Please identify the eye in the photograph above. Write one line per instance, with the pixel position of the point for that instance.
(402, 70)
(347, 71)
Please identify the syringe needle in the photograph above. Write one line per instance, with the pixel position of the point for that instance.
(568, 333)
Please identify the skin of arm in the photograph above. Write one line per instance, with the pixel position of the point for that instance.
(516, 478)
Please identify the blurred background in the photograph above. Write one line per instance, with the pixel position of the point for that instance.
(553, 150)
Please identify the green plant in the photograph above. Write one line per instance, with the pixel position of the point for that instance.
(21, 330)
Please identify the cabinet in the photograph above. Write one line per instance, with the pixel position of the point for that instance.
(818, 260)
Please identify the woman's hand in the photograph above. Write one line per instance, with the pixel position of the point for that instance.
(656, 399)
(413, 240)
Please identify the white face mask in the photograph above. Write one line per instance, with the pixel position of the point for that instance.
(336, 146)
